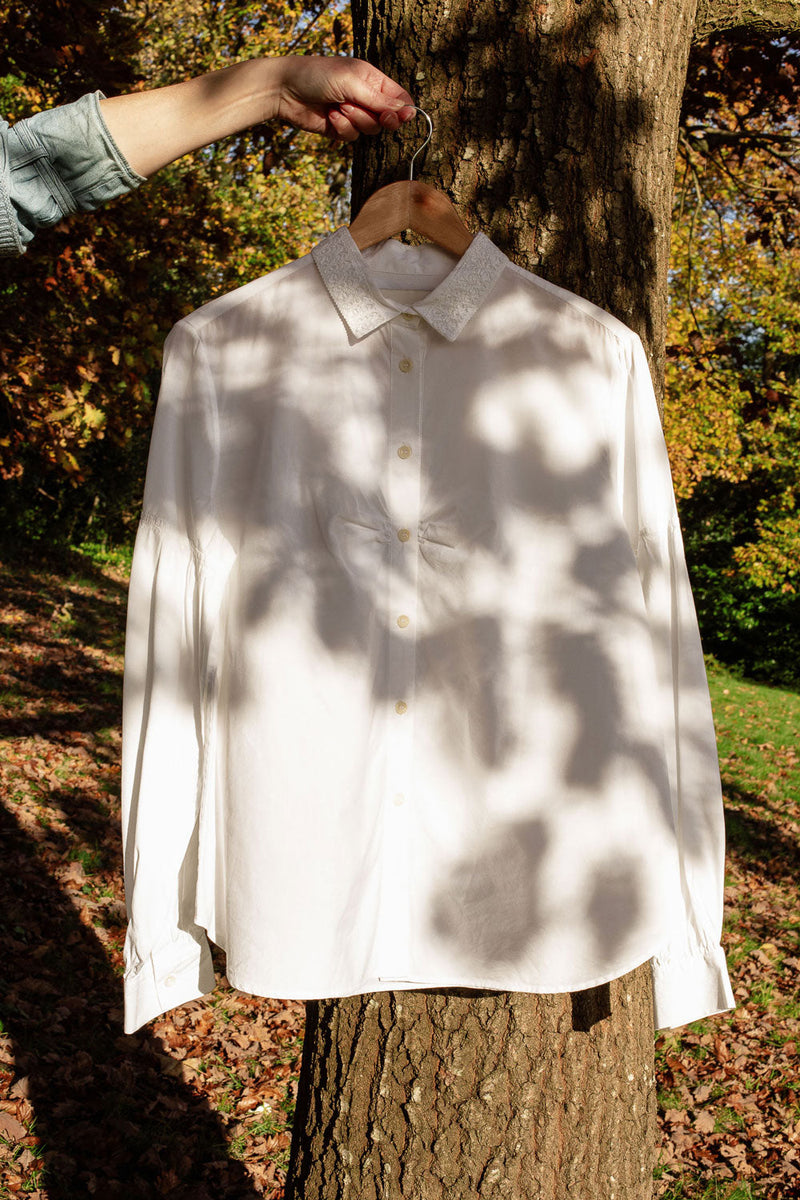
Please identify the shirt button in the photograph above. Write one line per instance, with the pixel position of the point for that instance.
(400, 707)
(404, 451)
(404, 534)
(398, 799)
(169, 981)
(402, 621)
(408, 316)
(405, 365)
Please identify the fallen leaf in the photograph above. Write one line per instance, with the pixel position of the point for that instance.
(11, 1128)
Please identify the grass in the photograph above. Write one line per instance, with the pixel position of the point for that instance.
(104, 555)
(738, 1071)
(713, 1191)
(757, 730)
(265, 1126)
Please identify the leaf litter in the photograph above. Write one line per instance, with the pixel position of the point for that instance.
(199, 1104)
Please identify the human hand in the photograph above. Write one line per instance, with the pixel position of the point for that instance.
(340, 97)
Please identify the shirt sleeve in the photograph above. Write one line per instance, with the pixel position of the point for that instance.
(60, 161)
(689, 973)
(171, 612)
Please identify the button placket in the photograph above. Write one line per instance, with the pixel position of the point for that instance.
(400, 622)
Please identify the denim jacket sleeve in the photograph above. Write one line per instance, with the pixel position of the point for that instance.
(60, 161)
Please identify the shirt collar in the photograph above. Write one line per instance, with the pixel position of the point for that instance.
(345, 271)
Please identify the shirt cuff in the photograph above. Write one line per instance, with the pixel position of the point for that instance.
(173, 975)
(690, 987)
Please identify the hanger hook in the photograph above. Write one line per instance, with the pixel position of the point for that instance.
(424, 144)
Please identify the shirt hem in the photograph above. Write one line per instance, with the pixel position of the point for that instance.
(383, 983)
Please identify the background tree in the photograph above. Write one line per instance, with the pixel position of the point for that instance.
(733, 358)
(556, 126)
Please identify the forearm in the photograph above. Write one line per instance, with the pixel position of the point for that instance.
(153, 128)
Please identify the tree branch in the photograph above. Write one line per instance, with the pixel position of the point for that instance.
(761, 137)
(769, 17)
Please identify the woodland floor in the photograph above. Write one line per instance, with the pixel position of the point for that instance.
(199, 1105)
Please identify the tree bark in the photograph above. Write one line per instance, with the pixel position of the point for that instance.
(450, 1095)
(555, 131)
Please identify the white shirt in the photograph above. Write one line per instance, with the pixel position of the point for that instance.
(414, 693)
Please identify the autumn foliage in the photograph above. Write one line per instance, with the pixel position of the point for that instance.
(732, 415)
(85, 313)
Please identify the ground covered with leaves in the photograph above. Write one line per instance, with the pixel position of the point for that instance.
(199, 1105)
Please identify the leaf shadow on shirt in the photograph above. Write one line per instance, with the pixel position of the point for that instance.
(324, 553)
(112, 1116)
(536, 192)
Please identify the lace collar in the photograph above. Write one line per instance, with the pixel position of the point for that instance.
(459, 286)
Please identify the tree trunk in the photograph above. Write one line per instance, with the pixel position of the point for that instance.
(450, 1095)
(555, 130)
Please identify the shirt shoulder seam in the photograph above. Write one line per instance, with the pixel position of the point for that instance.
(587, 308)
(214, 309)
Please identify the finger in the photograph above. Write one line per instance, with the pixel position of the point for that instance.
(361, 120)
(391, 121)
(367, 122)
(341, 127)
(369, 88)
(394, 96)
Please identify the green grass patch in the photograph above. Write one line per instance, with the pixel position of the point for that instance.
(103, 554)
(265, 1126)
(669, 1098)
(692, 1189)
(90, 859)
(757, 737)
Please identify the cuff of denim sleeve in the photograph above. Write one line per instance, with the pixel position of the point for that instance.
(690, 986)
(130, 178)
(83, 164)
(10, 241)
(169, 977)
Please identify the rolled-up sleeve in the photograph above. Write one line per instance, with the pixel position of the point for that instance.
(60, 161)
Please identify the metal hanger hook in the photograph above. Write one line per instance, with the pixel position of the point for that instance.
(424, 144)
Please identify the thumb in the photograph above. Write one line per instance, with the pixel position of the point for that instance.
(369, 87)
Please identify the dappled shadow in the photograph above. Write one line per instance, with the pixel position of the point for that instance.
(41, 575)
(574, 169)
(539, 800)
(66, 627)
(491, 903)
(757, 842)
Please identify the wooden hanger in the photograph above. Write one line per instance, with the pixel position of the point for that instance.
(410, 204)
